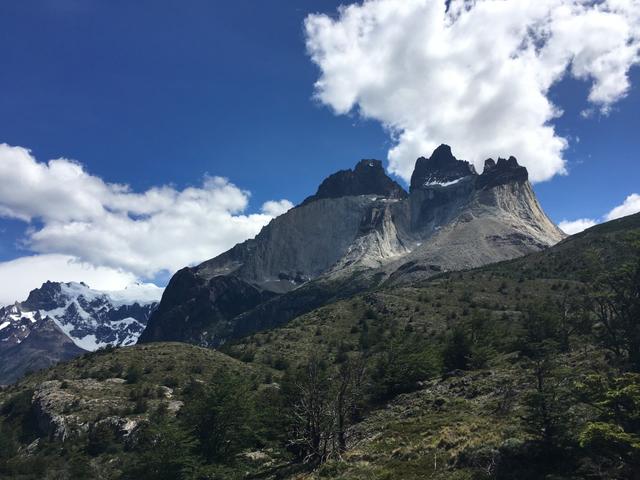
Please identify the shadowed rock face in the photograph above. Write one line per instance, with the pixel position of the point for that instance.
(440, 168)
(367, 178)
(360, 224)
(193, 307)
(46, 345)
(501, 173)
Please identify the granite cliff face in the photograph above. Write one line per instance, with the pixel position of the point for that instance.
(360, 229)
(311, 239)
(460, 219)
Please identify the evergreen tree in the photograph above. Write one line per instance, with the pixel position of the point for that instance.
(405, 362)
(457, 351)
(221, 415)
(165, 451)
(547, 402)
(102, 438)
(614, 433)
(617, 308)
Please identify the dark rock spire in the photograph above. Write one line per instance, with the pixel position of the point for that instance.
(367, 178)
(503, 172)
(441, 167)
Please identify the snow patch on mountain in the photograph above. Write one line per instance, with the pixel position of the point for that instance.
(90, 318)
(142, 293)
(441, 183)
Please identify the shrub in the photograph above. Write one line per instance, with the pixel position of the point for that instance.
(141, 405)
(102, 438)
(457, 351)
(281, 363)
(171, 381)
(133, 375)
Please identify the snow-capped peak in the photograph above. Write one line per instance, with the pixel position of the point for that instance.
(90, 318)
(140, 293)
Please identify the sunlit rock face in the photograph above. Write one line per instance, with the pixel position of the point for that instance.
(359, 222)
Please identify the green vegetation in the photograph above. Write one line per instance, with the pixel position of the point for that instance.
(526, 369)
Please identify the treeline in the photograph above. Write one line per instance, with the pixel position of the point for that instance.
(583, 423)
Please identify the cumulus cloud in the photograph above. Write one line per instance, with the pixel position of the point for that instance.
(74, 213)
(273, 208)
(475, 75)
(18, 277)
(576, 226)
(630, 206)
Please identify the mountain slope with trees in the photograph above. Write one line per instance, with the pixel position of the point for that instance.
(359, 229)
(523, 369)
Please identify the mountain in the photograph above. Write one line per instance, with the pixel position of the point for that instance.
(499, 372)
(31, 343)
(61, 320)
(360, 229)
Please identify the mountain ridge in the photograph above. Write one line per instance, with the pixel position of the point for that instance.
(419, 410)
(361, 222)
(59, 321)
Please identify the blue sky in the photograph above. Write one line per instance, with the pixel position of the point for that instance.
(150, 93)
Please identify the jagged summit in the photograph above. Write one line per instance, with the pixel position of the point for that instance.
(441, 168)
(367, 178)
(90, 318)
(501, 173)
(61, 320)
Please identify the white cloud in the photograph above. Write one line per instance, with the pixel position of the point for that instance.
(18, 277)
(77, 214)
(476, 76)
(576, 226)
(630, 206)
(274, 208)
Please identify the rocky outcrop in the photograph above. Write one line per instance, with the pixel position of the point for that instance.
(50, 402)
(70, 409)
(358, 230)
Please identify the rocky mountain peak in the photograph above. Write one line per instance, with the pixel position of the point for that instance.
(89, 318)
(367, 178)
(45, 297)
(441, 168)
(503, 172)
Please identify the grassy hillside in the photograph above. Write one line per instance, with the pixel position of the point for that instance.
(508, 371)
(424, 420)
(83, 417)
(499, 295)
